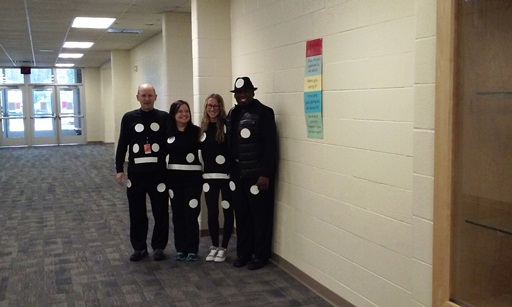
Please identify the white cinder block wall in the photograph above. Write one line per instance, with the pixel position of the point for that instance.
(144, 59)
(354, 209)
(164, 61)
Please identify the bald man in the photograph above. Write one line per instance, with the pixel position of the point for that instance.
(143, 136)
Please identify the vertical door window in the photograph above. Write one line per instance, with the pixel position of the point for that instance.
(44, 112)
(12, 114)
(70, 111)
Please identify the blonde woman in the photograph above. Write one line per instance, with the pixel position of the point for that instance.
(214, 152)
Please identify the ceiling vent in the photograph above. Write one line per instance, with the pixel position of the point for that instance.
(126, 31)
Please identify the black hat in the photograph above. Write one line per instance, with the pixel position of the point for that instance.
(243, 84)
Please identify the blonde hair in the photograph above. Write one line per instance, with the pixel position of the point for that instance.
(205, 121)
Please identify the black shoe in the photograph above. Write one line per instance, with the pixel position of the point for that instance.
(257, 264)
(139, 255)
(240, 262)
(158, 255)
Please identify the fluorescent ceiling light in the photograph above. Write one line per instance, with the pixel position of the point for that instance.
(71, 55)
(82, 45)
(64, 65)
(92, 22)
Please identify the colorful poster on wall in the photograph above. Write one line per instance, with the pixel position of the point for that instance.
(313, 89)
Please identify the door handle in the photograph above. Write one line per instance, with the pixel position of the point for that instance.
(42, 116)
(12, 117)
(71, 116)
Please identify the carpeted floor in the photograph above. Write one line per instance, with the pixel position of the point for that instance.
(64, 242)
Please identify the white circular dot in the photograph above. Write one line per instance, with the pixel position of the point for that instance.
(139, 127)
(128, 183)
(155, 147)
(155, 126)
(245, 133)
(171, 139)
(160, 187)
(232, 186)
(225, 204)
(254, 190)
(171, 193)
(220, 159)
(193, 203)
(203, 137)
(239, 83)
(190, 158)
(206, 187)
(135, 148)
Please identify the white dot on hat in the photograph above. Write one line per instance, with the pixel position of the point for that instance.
(155, 147)
(139, 127)
(206, 187)
(135, 148)
(239, 83)
(220, 159)
(193, 203)
(155, 126)
(254, 190)
(245, 133)
(171, 139)
(160, 187)
(190, 158)
(225, 204)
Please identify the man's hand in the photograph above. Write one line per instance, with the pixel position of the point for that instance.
(120, 177)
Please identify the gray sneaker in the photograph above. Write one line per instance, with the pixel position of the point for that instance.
(212, 254)
(221, 255)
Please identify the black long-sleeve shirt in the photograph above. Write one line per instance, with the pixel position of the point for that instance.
(143, 135)
(214, 154)
(183, 149)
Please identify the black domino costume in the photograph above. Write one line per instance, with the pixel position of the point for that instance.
(143, 135)
(216, 180)
(252, 140)
(184, 180)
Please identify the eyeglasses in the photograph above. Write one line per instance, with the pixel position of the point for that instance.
(211, 106)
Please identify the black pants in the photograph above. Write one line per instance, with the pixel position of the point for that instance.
(254, 219)
(138, 186)
(211, 196)
(186, 206)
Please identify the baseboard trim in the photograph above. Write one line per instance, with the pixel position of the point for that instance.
(98, 143)
(309, 282)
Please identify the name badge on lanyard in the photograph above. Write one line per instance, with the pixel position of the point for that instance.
(147, 147)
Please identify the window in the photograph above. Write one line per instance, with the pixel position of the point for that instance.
(11, 76)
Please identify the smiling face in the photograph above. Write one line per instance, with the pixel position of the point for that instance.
(146, 96)
(182, 116)
(212, 109)
(244, 97)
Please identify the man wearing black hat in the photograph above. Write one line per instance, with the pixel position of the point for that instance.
(252, 141)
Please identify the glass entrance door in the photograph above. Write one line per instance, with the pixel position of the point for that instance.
(57, 116)
(43, 116)
(70, 116)
(12, 117)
